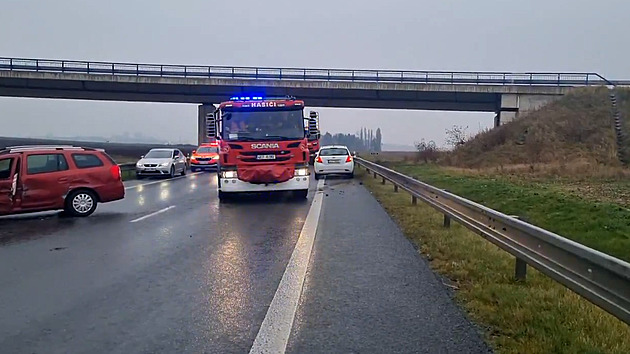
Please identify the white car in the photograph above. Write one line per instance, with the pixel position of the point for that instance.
(161, 162)
(334, 160)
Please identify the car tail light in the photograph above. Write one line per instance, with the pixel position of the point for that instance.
(319, 159)
(115, 171)
(349, 158)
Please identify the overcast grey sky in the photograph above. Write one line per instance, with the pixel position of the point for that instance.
(527, 35)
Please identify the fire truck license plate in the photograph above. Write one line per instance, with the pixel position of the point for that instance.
(265, 157)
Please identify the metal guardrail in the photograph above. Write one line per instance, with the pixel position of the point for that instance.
(270, 73)
(598, 277)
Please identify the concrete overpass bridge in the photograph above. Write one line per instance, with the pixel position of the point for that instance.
(507, 94)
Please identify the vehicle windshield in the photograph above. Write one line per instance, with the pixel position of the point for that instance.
(208, 150)
(159, 154)
(263, 125)
(333, 152)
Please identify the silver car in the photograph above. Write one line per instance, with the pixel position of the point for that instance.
(161, 162)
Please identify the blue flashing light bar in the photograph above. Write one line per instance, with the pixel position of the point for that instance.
(257, 98)
(248, 98)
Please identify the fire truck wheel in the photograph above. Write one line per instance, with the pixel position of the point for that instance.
(224, 196)
(301, 194)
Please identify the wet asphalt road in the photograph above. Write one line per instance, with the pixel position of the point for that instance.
(198, 277)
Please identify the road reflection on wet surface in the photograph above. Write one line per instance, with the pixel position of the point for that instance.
(197, 275)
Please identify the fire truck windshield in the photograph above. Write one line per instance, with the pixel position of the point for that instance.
(263, 125)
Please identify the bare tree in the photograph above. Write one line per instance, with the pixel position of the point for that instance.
(456, 136)
(427, 151)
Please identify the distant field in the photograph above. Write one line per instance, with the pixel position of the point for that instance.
(120, 152)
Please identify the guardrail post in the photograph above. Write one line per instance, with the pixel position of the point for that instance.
(383, 181)
(395, 188)
(374, 174)
(414, 200)
(447, 221)
(520, 271)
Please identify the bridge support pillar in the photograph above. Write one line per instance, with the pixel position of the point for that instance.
(202, 110)
(514, 106)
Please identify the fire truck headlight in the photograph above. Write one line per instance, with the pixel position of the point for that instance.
(301, 172)
(229, 174)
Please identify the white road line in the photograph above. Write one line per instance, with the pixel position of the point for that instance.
(153, 214)
(160, 181)
(274, 332)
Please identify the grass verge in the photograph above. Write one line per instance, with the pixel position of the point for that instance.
(599, 224)
(535, 316)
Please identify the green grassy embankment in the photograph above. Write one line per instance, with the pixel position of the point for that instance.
(591, 220)
(535, 316)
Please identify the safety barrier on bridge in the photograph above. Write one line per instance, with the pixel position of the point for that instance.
(598, 277)
(268, 73)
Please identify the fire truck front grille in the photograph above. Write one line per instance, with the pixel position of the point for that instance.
(277, 159)
(266, 152)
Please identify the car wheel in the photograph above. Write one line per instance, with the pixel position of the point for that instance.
(172, 174)
(81, 203)
(317, 175)
(350, 175)
(192, 169)
(184, 170)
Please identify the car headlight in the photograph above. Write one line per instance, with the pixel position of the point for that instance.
(301, 172)
(164, 164)
(138, 164)
(229, 174)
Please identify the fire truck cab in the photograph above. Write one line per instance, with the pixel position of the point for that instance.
(262, 145)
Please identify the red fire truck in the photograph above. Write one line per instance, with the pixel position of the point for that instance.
(314, 135)
(262, 145)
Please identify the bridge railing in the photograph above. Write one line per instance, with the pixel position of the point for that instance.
(268, 73)
(598, 277)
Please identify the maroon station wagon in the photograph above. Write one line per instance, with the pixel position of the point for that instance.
(41, 178)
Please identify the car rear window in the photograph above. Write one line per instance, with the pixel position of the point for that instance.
(109, 158)
(43, 163)
(86, 160)
(5, 168)
(333, 152)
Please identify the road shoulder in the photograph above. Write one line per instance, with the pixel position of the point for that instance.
(368, 290)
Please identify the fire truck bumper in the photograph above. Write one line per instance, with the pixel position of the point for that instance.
(233, 185)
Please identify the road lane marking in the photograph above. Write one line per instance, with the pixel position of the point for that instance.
(160, 181)
(275, 330)
(153, 214)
